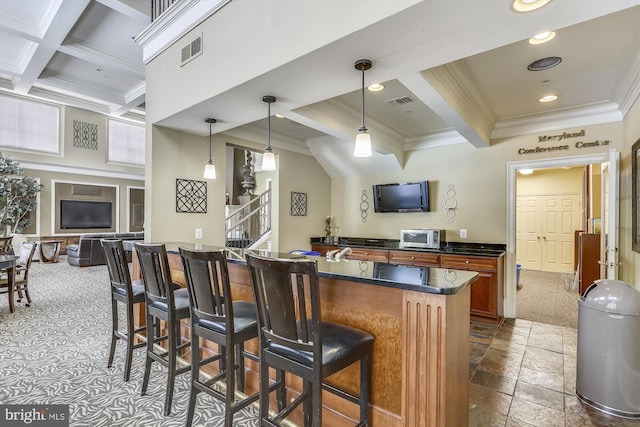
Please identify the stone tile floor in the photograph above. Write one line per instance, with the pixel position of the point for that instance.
(523, 374)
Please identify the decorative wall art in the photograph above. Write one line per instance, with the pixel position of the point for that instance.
(298, 204)
(450, 204)
(85, 135)
(191, 196)
(364, 205)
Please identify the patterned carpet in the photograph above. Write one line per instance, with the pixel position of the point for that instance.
(55, 352)
(544, 299)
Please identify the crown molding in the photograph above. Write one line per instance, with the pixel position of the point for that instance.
(595, 114)
(434, 139)
(48, 167)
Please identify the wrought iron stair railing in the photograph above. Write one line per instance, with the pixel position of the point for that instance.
(250, 222)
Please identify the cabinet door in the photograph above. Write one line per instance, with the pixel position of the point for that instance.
(422, 259)
(483, 295)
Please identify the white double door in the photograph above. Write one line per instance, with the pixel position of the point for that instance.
(545, 228)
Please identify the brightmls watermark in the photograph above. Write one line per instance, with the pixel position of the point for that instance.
(34, 415)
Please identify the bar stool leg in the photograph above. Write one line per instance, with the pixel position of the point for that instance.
(149, 360)
(114, 328)
(130, 339)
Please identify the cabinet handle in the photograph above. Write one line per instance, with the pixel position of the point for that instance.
(413, 257)
(466, 261)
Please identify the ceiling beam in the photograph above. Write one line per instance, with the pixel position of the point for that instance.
(63, 21)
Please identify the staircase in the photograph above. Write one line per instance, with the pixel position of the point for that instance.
(250, 225)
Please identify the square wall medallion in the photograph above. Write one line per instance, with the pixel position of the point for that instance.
(298, 204)
(191, 196)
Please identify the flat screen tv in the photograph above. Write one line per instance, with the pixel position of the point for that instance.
(84, 214)
(406, 197)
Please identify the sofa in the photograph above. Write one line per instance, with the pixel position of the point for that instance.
(89, 251)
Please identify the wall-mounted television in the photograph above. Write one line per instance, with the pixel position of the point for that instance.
(85, 214)
(404, 197)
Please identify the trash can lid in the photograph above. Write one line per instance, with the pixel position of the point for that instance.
(612, 296)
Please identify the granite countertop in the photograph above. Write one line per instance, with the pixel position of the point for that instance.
(455, 248)
(422, 279)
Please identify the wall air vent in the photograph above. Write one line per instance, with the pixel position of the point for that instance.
(400, 101)
(191, 50)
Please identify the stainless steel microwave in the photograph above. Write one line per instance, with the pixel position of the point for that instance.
(422, 238)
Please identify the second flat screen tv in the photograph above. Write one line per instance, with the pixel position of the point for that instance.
(405, 197)
(84, 214)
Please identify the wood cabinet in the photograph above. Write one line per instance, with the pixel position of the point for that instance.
(486, 292)
(362, 254)
(422, 259)
(588, 259)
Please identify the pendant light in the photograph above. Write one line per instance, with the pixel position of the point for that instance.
(363, 140)
(268, 158)
(210, 168)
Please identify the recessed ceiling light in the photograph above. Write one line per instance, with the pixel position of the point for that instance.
(376, 87)
(542, 37)
(525, 171)
(544, 63)
(524, 6)
(280, 116)
(548, 98)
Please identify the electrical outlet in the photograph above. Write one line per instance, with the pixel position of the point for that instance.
(198, 233)
(463, 233)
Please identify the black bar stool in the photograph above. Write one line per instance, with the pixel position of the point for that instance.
(126, 291)
(305, 346)
(215, 317)
(166, 304)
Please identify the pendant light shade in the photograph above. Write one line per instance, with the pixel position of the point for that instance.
(363, 140)
(210, 168)
(268, 158)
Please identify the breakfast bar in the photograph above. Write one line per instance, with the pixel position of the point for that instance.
(419, 317)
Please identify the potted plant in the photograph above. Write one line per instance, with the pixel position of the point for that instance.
(18, 196)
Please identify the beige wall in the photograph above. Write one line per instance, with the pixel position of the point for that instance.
(79, 157)
(179, 155)
(479, 177)
(91, 166)
(550, 182)
(46, 208)
(630, 270)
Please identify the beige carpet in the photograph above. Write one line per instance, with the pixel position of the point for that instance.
(543, 298)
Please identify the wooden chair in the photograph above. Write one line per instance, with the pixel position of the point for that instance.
(127, 292)
(215, 317)
(5, 244)
(163, 303)
(294, 338)
(21, 280)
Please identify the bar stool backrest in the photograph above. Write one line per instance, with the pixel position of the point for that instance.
(207, 278)
(156, 274)
(117, 265)
(288, 302)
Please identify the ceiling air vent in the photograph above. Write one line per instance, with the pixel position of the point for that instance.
(400, 101)
(191, 51)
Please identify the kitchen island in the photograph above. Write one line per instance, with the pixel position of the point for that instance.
(487, 259)
(419, 317)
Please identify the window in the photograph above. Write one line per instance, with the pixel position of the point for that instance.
(126, 143)
(29, 125)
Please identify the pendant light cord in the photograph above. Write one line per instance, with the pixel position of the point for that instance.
(210, 161)
(269, 125)
(362, 128)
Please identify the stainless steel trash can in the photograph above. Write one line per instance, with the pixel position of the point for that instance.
(608, 353)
